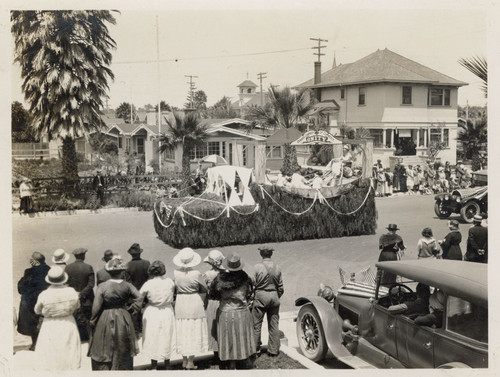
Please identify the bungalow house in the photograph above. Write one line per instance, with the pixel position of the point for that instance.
(406, 106)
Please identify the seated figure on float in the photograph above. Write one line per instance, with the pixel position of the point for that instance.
(298, 180)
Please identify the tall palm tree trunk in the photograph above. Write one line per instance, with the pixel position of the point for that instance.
(69, 163)
(186, 169)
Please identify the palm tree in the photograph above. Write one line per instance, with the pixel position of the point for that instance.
(478, 66)
(473, 137)
(186, 130)
(64, 58)
(284, 110)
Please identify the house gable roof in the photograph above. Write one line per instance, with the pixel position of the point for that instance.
(247, 83)
(284, 136)
(382, 66)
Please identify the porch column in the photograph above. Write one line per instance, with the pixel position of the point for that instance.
(442, 134)
(384, 136)
(392, 138)
(250, 155)
(426, 133)
(237, 153)
(418, 137)
(260, 162)
(148, 150)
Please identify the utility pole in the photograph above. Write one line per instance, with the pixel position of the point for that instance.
(191, 87)
(159, 95)
(319, 47)
(261, 76)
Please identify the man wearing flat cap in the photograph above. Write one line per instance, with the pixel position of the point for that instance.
(81, 278)
(477, 242)
(268, 290)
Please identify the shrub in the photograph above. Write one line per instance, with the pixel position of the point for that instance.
(270, 223)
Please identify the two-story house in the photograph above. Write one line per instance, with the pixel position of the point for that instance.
(406, 106)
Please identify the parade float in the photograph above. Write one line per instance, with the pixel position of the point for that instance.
(235, 208)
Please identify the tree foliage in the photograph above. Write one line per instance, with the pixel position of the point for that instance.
(222, 109)
(196, 100)
(479, 67)
(123, 112)
(473, 136)
(186, 130)
(64, 58)
(22, 131)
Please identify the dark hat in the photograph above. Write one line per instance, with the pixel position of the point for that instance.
(108, 254)
(477, 219)
(79, 251)
(56, 276)
(39, 257)
(135, 249)
(233, 263)
(392, 227)
(453, 224)
(266, 248)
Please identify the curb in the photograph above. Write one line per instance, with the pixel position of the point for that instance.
(79, 212)
(294, 354)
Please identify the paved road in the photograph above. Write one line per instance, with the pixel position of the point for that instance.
(304, 263)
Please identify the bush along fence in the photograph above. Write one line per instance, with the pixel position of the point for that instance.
(140, 191)
(277, 216)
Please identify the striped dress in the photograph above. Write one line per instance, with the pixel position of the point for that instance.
(236, 340)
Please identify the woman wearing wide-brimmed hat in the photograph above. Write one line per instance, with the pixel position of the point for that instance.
(158, 321)
(390, 246)
(236, 339)
(451, 242)
(113, 344)
(190, 317)
(58, 346)
(214, 259)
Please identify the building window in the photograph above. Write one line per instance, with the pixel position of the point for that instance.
(446, 137)
(378, 137)
(439, 97)
(214, 147)
(120, 142)
(435, 135)
(361, 100)
(140, 146)
(170, 153)
(273, 151)
(223, 149)
(342, 93)
(127, 145)
(245, 156)
(198, 152)
(249, 90)
(406, 100)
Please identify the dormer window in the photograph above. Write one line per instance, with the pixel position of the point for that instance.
(249, 90)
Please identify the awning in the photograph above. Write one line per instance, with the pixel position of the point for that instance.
(325, 106)
(315, 138)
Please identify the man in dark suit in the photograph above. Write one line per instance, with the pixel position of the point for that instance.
(98, 186)
(102, 275)
(137, 274)
(81, 278)
(477, 243)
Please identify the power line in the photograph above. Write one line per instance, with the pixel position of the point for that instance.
(209, 57)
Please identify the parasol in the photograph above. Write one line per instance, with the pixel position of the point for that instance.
(215, 159)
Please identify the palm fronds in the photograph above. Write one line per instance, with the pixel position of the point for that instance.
(479, 67)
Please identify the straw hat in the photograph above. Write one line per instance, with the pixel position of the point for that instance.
(187, 257)
(60, 256)
(214, 258)
(233, 263)
(56, 276)
(116, 264)
(477, 219)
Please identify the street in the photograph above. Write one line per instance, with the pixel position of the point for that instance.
(305, 264)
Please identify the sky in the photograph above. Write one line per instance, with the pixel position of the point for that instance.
(223, 47)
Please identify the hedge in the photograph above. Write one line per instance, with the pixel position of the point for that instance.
(270, 223)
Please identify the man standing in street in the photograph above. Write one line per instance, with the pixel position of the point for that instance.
(98, 186)
(81, 278)
(268, 290)
(137, 274)
(477, 243)
(102, 275)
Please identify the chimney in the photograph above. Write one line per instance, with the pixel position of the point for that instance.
(317, 73)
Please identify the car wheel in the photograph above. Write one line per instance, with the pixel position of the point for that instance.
(310, 334)
(452, 365)
(440, 211)
(469, 210)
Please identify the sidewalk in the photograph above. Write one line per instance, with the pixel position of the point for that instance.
(24, 359)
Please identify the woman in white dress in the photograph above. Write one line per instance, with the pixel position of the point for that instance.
(158, 321)
(190, 317)
(58, 346)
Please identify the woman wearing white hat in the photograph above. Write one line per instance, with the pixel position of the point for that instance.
(190, 317)
(58, 346)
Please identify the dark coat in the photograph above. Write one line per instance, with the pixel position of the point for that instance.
(31, 284)
(137, 272)
(478, 239)
(96, 181)
(81, 278)
(451, 246)
(389, 245)
(102, 275)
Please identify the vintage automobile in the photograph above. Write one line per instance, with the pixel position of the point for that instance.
(467, 202)
(361, 332)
